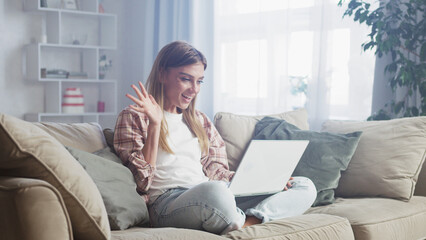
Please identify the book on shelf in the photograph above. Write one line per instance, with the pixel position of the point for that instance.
(60, 73)
(56, 76)
(78, 75)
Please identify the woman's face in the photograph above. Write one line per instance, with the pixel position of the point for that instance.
(181, 85)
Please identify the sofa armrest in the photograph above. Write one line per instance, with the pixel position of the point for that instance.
(421, 180)
(32, 209)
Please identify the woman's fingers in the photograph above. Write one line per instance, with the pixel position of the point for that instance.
(152, 99)
(138, 109)
(138, 92)
(135, 100)
(288, 185)
(145, 94)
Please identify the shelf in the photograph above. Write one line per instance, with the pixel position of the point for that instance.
(98, 81)
(64, 27)
(72, 46)
(73, 41)
(67, 118)
(74, 114)
(85, 6)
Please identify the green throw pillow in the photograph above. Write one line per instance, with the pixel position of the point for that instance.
(109, 154)
(325, 157)
(117, 186)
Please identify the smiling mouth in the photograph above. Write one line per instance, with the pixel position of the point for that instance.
(186, 97)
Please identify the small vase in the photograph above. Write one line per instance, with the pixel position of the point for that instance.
(101, 75)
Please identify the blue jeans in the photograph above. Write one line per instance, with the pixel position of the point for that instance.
(211, 206)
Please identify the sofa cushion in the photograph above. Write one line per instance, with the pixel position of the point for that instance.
(28, 151)
(117, 186)
(380, 218)
(109, 154)
(84, 136)
(164, 233)
(237, 130)
(109, 137)
(312, 226)
(388, 159)
(326, 155)
(421, 182)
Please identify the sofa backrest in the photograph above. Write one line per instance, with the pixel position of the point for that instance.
(84, 136)
(237, 130)
(421, 182)
(405, 139)
(388, 159)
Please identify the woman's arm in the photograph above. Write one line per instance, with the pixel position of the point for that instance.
(136, 136)
(146, 104)
(215, 162)
(130, 136)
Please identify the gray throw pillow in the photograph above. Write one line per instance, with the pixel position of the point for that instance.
(117, 186)
(109, 154)
(109, 138)
(325, 157)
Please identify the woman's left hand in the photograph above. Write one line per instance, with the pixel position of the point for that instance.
(145, 103)
(288, 186)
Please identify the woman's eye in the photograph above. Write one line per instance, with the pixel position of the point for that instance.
(186, 79)
(200, 81)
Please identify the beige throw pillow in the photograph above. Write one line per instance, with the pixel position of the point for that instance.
(237, 130)
(388, 159)
(28, 151)
(84, 136)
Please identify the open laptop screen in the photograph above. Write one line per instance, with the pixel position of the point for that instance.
(266, 166)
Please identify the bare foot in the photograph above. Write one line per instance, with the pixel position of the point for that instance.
(251, 220)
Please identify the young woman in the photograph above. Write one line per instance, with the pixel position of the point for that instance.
(178, 158)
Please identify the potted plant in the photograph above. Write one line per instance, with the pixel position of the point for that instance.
(398, 28)
(104, 65)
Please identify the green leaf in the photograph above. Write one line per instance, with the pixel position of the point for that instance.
(367, 6)
(423, 52)
(353, 4)
(363, 16)
(415, 111)
(398, 107)
(357, 14)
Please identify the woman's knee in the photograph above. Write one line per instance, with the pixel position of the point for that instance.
(304, 184)
(216, 194)
(220, 202)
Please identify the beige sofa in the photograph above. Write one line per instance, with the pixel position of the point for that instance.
(46, 194)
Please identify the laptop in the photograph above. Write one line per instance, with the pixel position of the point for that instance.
(267, 166)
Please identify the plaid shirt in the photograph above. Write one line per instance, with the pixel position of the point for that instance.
(129, 138)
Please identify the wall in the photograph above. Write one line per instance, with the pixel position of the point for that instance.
(17, 96)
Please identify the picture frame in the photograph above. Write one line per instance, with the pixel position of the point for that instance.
(70, 4)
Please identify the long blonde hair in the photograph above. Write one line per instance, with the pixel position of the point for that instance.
(176, 54)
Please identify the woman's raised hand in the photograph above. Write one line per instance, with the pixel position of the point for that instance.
(145, 103)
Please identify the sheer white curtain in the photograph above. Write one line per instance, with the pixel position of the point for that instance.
(277, 55)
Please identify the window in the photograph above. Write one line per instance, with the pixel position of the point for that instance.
(273, 56)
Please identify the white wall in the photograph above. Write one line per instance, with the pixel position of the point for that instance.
(17, 96)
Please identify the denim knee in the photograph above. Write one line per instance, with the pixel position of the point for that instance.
(217, 196)
(292, 202)
(306, 184)
(209, 206)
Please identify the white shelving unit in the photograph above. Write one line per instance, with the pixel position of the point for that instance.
(74, 40)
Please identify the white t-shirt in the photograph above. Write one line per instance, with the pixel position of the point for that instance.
(183, 168)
